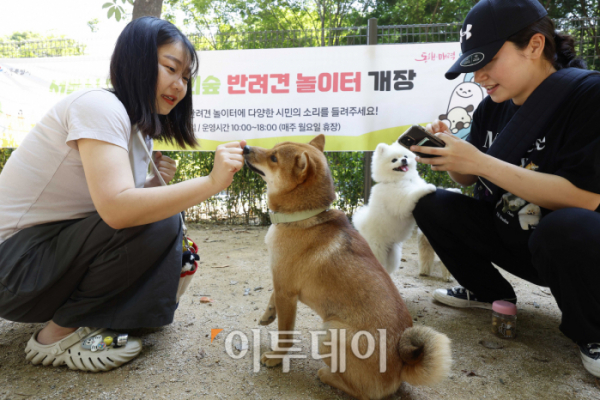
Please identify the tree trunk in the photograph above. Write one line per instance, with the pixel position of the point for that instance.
(143, 8)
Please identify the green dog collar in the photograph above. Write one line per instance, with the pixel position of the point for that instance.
(279, 218)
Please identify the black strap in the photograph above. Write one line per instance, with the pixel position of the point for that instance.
(528, 123)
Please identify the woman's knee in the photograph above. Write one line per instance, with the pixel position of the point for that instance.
(158, 234)
(426, 206)
(169, 228)
(569, 230)
(437, 206)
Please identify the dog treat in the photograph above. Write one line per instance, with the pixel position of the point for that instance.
(504, 319)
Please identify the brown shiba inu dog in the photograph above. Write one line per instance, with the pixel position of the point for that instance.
(318, 258)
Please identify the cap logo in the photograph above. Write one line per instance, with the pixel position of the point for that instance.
(466, 33)
(471, 60)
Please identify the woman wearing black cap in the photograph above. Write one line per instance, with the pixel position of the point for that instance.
(534, 155)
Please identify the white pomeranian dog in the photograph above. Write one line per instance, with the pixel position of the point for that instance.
(387, 221)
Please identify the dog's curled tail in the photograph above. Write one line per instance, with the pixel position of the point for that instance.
(426, 355)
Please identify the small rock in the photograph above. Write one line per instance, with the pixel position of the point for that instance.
(246, 291)
(546, 291)
(536, 305)
(491, 344)
(472, 373)
(258, 288)
(540, 359)
(233, 282)
(201, 353)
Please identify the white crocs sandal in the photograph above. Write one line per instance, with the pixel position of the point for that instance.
(86, 349)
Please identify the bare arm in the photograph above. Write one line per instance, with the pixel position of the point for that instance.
(121, 204)
(461, 179)
(545, 190)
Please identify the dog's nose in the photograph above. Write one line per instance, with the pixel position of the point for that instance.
(404, 161)
(246, 149)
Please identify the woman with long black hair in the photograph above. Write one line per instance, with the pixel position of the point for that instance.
(534, 154)
(88, 241)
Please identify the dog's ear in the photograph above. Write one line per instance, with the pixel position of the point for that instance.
(302, 166)
(318, 142)
(443, 116)
(470, 108)
(380, 148)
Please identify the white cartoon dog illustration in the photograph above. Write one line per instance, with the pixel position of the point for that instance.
(466, 94)
(459, 118)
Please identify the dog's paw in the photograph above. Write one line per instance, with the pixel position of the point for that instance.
(324, 373)
(271, 359)
(430, 188)
(269, 316)
(267, 320)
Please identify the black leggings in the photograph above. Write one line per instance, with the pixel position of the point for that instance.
(563, 253)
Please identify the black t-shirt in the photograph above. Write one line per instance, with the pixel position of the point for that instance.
(570, 148)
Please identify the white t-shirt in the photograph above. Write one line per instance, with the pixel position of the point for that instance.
(43, 180)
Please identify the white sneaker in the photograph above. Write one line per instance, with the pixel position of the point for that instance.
(460, 297)
(590, 356)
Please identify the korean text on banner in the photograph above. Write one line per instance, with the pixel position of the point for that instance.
(358, 96)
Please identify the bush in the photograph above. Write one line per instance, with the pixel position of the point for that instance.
(4, 154)
(41, 48)
(244, 202)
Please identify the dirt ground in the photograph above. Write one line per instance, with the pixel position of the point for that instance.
(180, 362)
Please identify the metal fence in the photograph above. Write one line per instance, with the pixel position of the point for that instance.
(42, 48)
(585, 31)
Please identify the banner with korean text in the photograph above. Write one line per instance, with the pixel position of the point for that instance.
(358, 96)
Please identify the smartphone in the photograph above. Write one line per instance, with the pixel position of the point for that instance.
(417, 136)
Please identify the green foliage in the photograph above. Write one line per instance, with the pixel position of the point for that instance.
(347, 170)
(268, 15)
(572, 8)
(31, 45)
(93, 24)
(242, 202)
(214, 20)
(115, 9)
(404, 12)
(4, 154)
(22, 36)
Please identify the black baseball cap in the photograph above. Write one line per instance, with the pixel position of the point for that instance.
(486, 28)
